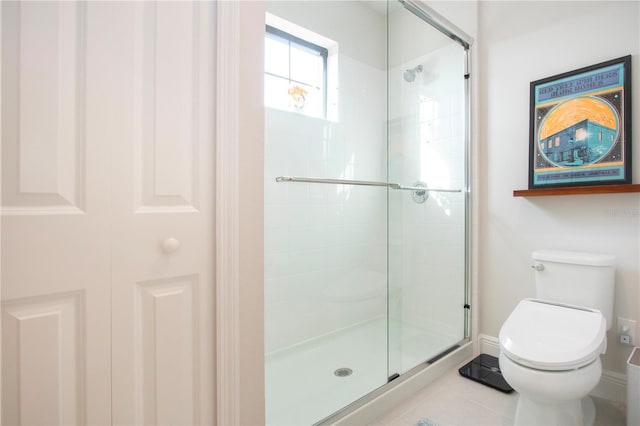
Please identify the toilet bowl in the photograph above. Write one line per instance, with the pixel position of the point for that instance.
(550, 353)
(552, 397)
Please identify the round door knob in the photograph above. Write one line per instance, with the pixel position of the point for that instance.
(170, 245)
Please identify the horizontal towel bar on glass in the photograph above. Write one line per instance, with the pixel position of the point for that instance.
(362, 183)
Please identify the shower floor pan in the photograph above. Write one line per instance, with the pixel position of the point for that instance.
(308, 382)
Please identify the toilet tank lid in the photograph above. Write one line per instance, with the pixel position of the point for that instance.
(574, 257)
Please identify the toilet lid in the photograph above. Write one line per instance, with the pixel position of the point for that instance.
(546, 336)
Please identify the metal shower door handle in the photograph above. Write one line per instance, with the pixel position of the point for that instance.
(418, 186)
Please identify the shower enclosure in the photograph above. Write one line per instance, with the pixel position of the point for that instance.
(366, 199)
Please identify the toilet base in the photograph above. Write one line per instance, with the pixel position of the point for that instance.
(588, 411)
(568, 413)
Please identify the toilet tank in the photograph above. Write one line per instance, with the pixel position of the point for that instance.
(576, 278)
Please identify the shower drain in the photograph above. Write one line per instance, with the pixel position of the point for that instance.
(343, 372)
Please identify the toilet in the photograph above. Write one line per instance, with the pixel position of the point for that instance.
(550, 346)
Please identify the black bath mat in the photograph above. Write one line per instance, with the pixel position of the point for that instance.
(485, 369)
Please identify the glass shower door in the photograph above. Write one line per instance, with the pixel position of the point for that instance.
(426, 146)
(325, 242)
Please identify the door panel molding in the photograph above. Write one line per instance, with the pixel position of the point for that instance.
(167, 351)
(44, 118)
(166, 104)
(44, 368)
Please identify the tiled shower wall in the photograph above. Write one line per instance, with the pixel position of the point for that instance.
(325, 245)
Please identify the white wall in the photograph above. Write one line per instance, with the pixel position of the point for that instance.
(520, 42)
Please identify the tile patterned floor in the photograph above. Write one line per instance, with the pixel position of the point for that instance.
(454, 400)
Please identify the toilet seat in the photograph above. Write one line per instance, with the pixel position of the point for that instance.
(546, 336)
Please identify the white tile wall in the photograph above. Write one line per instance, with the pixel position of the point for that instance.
(325, 245)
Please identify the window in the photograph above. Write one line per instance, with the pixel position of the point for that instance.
(295, 76)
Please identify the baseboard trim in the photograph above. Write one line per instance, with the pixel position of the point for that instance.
(489, 345)
(612, 386)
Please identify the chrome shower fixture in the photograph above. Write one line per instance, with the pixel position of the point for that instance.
(420, 194)
(410, 74)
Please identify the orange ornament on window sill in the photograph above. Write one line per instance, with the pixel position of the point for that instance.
(298, 95)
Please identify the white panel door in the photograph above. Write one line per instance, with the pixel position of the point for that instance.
(56, 363)
(163, 229)
(107, 213)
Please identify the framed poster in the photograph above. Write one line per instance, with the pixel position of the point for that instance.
(580, 127)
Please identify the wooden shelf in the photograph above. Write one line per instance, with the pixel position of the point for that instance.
(578, 190)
